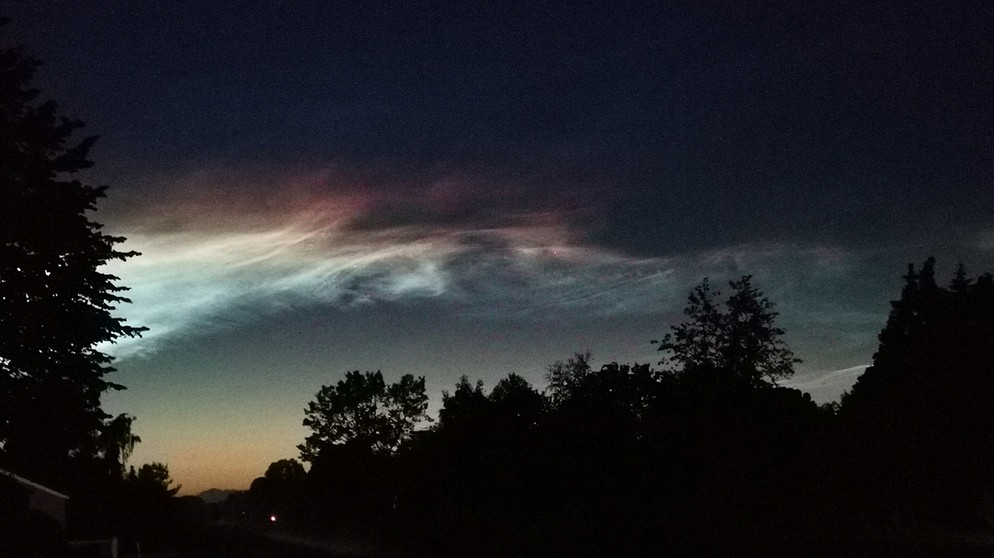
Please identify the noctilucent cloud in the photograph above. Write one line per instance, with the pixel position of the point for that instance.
(442, 189)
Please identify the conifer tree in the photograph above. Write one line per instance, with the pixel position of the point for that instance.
(56, 303)
(920, 416)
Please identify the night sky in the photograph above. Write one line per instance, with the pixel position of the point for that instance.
(448, 189)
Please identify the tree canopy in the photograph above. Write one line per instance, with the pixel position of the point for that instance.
(56, 305)
(362, 411)
(738, 338)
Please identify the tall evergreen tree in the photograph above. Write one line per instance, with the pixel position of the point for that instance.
(920, 416)
(55, 302)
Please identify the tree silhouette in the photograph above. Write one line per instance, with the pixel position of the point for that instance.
(566, 377)
(920, 417)
(55, 303)
(363, 411)
(147, 509)
(279, 491)
(465, 407)
(287, 474)
(115, 443)
(738, 339)
(514, 398)
(153, 480)
(697, 342)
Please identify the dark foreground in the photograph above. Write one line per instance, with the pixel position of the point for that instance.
(220, 541)
(229, 541)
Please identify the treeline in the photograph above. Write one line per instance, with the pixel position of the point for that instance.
(704, 454)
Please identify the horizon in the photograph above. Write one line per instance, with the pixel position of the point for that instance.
(821, 387)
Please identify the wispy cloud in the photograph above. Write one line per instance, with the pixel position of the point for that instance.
(190, 280)
(209, 259)
(829, 386)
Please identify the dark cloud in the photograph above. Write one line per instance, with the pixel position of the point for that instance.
(692, 127)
